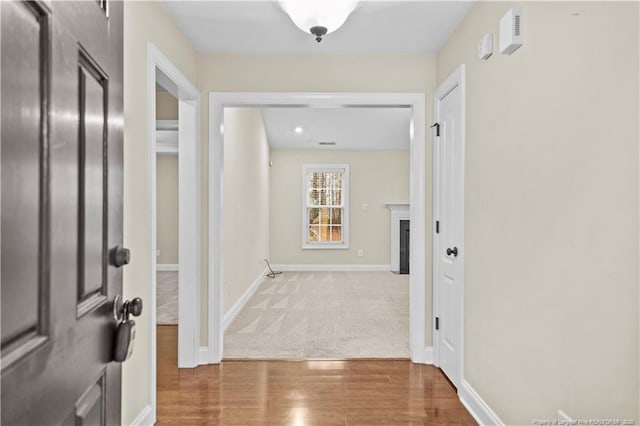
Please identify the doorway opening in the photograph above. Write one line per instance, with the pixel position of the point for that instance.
(308, 188)
(414, 102)
(174, 138)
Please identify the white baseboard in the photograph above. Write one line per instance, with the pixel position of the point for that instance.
(332, 268)
(203, 355)
(145, 418)
(479, 409)
(231, 314)
(167, 267)
(427, 356)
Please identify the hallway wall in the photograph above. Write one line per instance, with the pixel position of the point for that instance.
(312, 73)
(144, 22)
(245, 234)
(551, 213)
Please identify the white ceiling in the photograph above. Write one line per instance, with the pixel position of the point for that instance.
(349, 128)
(262, 27)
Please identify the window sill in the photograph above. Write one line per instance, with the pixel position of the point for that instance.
(342, 246)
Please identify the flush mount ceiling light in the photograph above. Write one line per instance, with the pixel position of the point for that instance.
(298, 129)
(319, 17)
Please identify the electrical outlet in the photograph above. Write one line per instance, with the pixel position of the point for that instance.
(365, 206)
(360, 252)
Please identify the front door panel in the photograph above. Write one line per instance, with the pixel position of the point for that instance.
(61, 153)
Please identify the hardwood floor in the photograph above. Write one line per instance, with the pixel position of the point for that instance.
(302, 393)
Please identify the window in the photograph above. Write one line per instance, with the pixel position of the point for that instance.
(325, 213)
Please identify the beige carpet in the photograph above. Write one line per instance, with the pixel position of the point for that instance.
(167, 298)
(324, 315)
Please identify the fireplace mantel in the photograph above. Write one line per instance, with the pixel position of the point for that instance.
(399, 211)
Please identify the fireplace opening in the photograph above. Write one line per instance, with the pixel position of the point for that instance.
(404, 246)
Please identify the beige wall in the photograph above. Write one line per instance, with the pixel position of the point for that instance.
(166, 106)
(375, 178)
(144, 22)
(167, 208)
(167, 188)
(246, 201)
(312, 73)
(551, 213)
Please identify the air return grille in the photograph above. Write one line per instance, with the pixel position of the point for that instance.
(511, 31)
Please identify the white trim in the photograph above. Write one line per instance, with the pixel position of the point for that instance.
(161, 70)
(167, 267)
(455, 79)
(477, 407)
(203, 355)
(217, 102)
(145, 417)
(235, 309)
(167, 124)
(311, 168)
(189, 231)
(427, 357)
(332, 268)
(167, 142)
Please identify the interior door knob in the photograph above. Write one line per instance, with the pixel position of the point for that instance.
(453, 251)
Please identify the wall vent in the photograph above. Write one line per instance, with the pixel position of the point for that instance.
(511, 31)
(326, 143)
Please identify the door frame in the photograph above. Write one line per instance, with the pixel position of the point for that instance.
(162, 70)
(416, 101)
(455, 79)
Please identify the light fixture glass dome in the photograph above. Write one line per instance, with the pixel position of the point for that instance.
(329, 14)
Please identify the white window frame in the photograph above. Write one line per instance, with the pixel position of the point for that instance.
(309, 168)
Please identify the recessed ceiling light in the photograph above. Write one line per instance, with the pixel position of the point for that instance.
(298, 129)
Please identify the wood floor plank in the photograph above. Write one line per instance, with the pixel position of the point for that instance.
(302, 393)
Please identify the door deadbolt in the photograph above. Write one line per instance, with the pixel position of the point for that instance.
(120, 256)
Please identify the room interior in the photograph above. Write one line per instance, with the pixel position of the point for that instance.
(509, 96)
(302, 313)
(520, 192)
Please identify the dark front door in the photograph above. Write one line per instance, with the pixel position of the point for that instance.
(61, 165)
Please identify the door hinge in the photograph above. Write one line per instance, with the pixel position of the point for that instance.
(437, 226)
(437, 126)
(437, 323)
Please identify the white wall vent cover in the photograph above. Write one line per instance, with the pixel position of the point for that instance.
(511, 31)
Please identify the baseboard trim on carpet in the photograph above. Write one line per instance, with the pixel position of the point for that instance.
(235, 309)
(167, 267)
(476, 406)
(332, 268)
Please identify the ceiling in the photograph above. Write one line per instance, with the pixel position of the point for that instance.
(350, 128)
(262, 27)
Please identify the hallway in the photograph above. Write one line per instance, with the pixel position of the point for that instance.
(303, 392)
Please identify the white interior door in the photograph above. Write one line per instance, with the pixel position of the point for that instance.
(449, 250)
